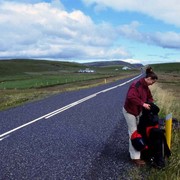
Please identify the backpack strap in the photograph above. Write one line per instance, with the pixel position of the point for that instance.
(138, 83)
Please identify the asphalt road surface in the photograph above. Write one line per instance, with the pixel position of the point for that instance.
(79, 135)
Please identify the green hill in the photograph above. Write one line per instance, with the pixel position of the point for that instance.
(27, 74)
(23, 66)
(113, 63)
(166, 67)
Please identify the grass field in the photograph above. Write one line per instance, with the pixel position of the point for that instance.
(26, 74)
(28, 80)
(169, 85)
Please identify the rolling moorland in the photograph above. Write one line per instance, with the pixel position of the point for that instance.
(27, 80)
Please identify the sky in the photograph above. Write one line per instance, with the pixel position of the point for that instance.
(135, 31)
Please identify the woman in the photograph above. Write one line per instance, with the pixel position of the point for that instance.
(137, 96)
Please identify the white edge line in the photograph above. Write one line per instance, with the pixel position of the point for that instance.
(4, 137)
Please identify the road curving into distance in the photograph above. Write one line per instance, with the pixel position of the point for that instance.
(73, 135)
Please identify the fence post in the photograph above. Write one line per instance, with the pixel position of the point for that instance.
(168, 129)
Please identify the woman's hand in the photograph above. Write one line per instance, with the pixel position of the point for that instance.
(147, 106)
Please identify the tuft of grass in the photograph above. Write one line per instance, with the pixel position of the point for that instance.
(13, 98)
(135, 173)
(166, 101)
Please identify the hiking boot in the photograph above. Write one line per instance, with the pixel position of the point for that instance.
(139, 162)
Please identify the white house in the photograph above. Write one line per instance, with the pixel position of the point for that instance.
(125, 68)
(87, 70)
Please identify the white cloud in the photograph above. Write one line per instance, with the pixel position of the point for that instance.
(130, 30)
(132, 61)
(167, 11)
(168, 39)
(46, 30)
(42, 30)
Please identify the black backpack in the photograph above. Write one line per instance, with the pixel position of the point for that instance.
(153, 137)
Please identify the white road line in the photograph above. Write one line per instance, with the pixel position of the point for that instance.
(4, 137)
(70, 105)
(46, 116)
(19, 127)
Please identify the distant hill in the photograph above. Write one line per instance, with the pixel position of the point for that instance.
(113, 63)
(167, 67)
(138, 65)
(24, 66)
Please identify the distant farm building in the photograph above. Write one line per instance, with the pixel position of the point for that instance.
(126, 68)
(87, 70)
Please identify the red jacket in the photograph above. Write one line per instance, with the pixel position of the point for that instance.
(137, 95)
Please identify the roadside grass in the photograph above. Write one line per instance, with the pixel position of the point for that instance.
(166, 91)
(166, 100)
(13, 98)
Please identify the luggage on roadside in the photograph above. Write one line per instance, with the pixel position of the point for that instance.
(155, 149)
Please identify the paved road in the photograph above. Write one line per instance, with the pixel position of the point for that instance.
(71, 136)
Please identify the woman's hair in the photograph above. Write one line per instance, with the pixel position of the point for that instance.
(149, 69)
(150, 73)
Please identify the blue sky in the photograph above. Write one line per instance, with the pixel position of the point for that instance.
(135, 31)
